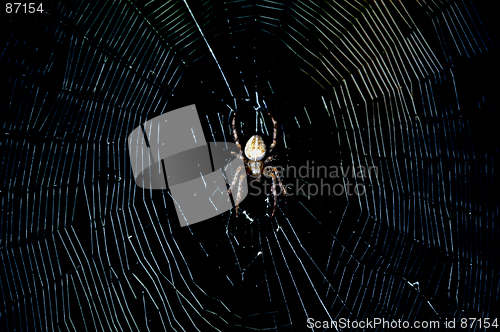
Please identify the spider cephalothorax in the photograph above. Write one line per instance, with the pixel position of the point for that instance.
(255, 151)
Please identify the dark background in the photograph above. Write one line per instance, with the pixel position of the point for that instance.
(409, 88)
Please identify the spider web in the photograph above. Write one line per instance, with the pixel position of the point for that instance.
(400, 88)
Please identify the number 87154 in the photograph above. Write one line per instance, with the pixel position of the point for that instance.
(23, 8)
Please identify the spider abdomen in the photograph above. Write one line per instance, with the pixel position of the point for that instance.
(255, 149)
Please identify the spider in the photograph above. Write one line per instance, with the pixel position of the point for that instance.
(255, 151)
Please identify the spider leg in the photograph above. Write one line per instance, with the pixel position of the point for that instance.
(240, 192)
(275, 132)
(273, 187)
(270, 158)
(235, 133)
(241, 156)
(235, 178)
(278, 179)
(272, 172)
